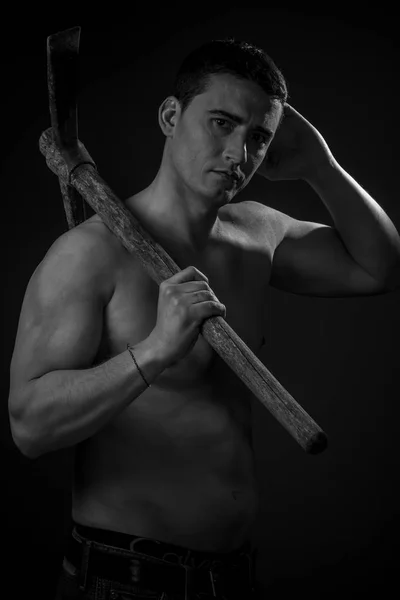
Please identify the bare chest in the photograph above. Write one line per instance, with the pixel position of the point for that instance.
(200, 396)
(238, 270)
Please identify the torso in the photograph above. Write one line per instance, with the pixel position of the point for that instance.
(177, 465)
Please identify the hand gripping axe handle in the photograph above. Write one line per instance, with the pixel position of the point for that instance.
(79, 180)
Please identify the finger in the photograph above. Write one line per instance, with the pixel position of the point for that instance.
(193, 286)
(204, 310)
(202, 296)
(188, 274)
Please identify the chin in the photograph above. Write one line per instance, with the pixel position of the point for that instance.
(216, 195)
(223, 198)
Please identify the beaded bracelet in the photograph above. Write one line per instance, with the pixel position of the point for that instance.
(129, 347)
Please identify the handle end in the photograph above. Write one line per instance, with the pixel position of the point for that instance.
(317, 443)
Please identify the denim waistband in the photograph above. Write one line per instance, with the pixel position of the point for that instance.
(162, 550)
(131, 559)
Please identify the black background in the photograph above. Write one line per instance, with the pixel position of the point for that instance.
(328, 524)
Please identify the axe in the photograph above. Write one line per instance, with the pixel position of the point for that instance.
(79, 180)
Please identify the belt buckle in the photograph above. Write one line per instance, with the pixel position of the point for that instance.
(136, 576)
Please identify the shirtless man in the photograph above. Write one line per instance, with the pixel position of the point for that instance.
(163, 447)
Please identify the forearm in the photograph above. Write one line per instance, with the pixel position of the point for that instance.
(367, 232)
(64, 408)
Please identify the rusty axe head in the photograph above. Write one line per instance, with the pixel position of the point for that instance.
(62, 77)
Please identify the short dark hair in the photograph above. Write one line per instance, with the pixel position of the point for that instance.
(227, 56)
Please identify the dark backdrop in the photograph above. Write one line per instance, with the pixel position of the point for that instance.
(328, 524)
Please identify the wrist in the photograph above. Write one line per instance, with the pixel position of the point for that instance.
(322, 173)
(148, 359)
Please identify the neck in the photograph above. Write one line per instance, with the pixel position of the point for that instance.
(181, 221)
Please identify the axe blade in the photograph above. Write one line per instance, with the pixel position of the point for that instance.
(62, 79)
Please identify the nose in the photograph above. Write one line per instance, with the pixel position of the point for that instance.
(236, 150)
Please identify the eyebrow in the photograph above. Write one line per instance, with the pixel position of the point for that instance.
(239, 120)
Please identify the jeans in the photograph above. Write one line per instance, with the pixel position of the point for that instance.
(106, 565)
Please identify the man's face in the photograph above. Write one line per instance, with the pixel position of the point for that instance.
(228, 127)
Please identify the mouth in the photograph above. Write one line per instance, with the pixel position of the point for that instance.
(232, 177)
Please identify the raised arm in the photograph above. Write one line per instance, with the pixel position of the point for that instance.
(360, 254)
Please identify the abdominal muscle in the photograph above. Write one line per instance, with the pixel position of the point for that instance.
(176, 465)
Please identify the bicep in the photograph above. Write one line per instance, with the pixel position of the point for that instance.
(311, 259)
(60, 323)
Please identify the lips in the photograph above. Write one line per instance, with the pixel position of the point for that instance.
(230, 175)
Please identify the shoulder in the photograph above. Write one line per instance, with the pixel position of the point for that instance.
(87, 253)
(260, 221)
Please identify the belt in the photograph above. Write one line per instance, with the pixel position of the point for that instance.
(134, 569)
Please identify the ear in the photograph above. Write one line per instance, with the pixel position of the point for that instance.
(168, 115)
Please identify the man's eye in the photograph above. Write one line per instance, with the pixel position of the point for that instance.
(219, 121)
(261, 139)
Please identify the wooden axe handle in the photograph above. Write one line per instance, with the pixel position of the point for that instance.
(74, 205)
(160, 266)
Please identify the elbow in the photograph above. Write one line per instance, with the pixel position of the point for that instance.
(24, 432)
(391, 287)
(392, 280)
(387, 278)
(24, 440)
